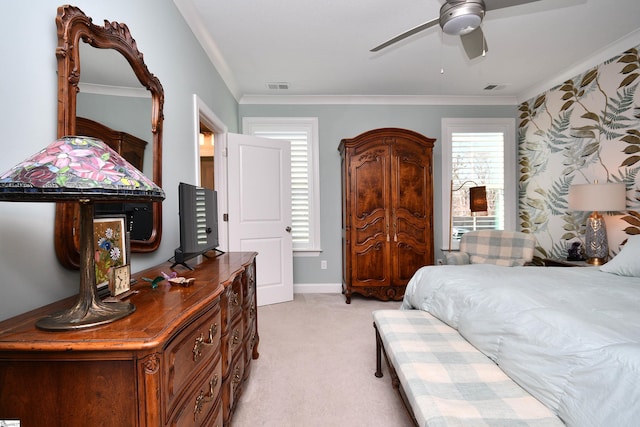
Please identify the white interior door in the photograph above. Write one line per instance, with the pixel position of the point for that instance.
(259, 196)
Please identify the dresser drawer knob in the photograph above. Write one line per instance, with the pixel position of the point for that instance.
(200, 341)
(205, 398)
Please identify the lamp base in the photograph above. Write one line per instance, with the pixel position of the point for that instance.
(83, 316)
(89, 310)
(596, 242)
(596, 261)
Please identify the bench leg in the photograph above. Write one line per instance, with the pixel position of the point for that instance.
(378, 373)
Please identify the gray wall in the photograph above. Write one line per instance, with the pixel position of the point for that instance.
(30, 273)
(346, 121)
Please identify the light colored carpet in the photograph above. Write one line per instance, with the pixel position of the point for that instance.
(316, 367)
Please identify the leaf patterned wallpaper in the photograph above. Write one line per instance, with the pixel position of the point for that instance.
(582, 131)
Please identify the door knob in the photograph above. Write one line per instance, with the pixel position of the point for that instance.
(288, 229)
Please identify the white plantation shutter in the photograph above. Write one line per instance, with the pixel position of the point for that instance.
(300, 213)
(478, 157)
(482, 152)
(301, 133)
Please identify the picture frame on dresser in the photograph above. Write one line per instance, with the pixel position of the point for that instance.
(110, 245)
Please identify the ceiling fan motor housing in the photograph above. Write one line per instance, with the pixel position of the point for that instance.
(461, 17)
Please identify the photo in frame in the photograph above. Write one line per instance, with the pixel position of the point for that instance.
(110, 246)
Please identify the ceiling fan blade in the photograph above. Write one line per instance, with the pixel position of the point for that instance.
(499, 4)
(474, 43)
(406, 34)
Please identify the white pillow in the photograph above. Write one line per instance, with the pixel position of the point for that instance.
(627, 262)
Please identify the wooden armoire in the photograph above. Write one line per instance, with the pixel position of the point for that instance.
(387, 211)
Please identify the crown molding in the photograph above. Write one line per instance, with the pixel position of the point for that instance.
(192, 18)
(375, 100)
(596, 58)
(131, 92)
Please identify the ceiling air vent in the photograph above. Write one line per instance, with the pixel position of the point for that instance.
(495, 86)
(278, 85)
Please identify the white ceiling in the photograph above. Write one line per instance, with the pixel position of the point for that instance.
(321, 47)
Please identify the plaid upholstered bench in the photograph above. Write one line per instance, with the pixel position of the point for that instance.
(445, 381)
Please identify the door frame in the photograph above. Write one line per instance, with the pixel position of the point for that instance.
(202, 113)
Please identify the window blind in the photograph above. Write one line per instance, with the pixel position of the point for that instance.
(477, 158)
(300, 181)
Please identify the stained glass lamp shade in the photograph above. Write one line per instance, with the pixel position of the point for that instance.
(84, 170)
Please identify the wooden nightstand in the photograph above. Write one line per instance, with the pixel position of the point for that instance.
(562, 262)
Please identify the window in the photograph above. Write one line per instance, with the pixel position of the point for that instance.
(305, 192)
(478, 152)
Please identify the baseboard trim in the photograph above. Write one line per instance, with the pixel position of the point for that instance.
(317, 288)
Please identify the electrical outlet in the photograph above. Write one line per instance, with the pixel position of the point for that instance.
(323, 264)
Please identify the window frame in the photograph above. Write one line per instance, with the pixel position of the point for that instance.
(251, 125)
(507, 127)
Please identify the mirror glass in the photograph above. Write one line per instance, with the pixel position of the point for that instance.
(105, 90)
(111, 94)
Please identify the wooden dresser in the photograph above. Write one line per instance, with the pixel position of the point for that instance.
(387, 211)
(180, 359)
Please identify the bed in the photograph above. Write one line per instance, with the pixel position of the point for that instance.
(568, 336)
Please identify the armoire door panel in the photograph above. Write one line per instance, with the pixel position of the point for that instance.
(371, 266)
(375, 229)
(411, 179)
(407, 260)
(412, 185)
(370, 185)
(410, 229)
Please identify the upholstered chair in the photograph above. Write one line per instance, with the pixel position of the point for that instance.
(499, 247)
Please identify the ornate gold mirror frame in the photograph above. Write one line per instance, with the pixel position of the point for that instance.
(74, 27)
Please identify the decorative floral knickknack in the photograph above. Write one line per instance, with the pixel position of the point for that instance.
(110, 241)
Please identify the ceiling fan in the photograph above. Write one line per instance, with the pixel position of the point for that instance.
(461, 18)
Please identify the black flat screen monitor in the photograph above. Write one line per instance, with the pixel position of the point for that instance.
(198, 210)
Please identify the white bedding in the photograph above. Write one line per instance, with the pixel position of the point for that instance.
(569, 336)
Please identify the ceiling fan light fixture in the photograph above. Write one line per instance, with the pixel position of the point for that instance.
(460, 25)
(461, 18)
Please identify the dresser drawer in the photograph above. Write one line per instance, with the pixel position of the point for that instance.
(232, 302)
(249, 316)
(231, 345)
(189, 352)
(217, 417)
(232, 387)
(200, 403)
(250, 343)
(249, 283)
